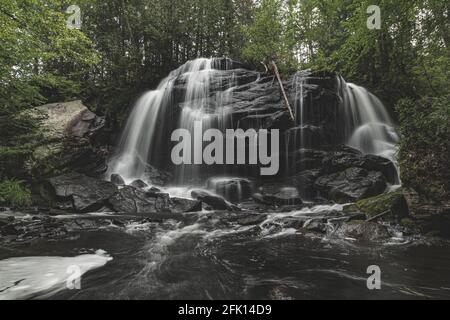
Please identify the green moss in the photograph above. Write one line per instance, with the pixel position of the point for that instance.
(14, 194)
(394, 202)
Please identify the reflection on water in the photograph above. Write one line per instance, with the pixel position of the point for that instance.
(207, 258)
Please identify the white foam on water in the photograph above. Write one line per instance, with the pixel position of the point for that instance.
(41, 277)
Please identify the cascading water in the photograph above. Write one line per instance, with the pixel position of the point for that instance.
(208, 90)
(139, 142)
(138, 136)
(371, 129)
(299, 113)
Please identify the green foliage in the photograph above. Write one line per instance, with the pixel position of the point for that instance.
(425, 146)
(14, 194)
(407, 57)
(141, 41)
(40, 58)
(19, 136)
(266, 38)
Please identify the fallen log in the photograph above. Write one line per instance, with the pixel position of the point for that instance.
(277, 74)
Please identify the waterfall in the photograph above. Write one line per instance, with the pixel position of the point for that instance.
(204, 101)
(210, 92)
(371, 129)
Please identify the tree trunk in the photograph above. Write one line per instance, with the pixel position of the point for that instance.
(277, 74)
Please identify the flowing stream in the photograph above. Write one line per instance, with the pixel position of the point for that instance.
(200, 257)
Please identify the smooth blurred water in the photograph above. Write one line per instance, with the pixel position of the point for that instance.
(203, 257)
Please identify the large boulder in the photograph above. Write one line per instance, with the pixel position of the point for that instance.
(129, 200)
(364, 231)
(117, 180)
(133, 201)
(181, 205)
(139, 184)
(69, 120)
(351, 185)
(85, 193)
(344, 157)
(391, 205)
(68, 131)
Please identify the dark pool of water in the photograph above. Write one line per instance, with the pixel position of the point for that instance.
(202, 260)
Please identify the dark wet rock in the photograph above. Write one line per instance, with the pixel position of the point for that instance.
(304, 182)
(351, 185)
(214, 201)
(345, 157)
(157, 176)
(153, 192)
(9, 230)
(3, 223)
(117, 180)
(130, 200)
(232, 189)
(365, 231)
(252, 220)
(293, 222)
(207, 207)
(73, 225)
(24, 231)
(139, 184)
(179, 205)
(86, 194)
(316, 226)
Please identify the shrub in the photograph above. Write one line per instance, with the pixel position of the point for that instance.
(14, 194)
(425, 146)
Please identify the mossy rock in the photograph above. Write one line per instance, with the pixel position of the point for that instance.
(394, 202)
